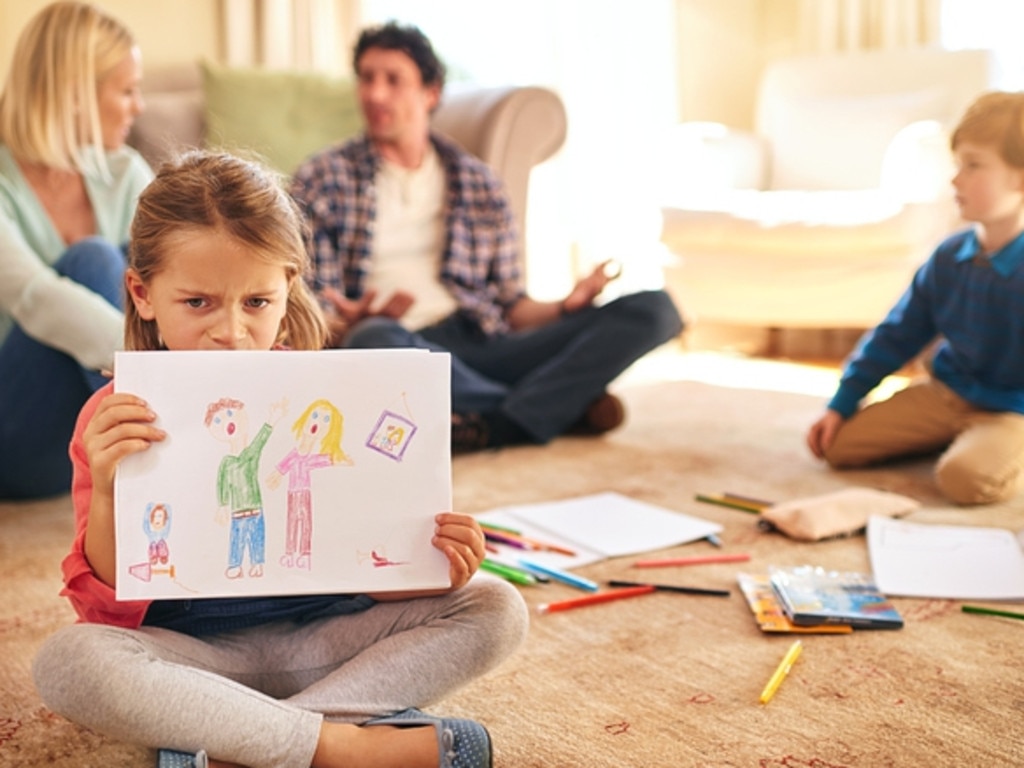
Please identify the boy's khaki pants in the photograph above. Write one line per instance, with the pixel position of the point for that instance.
(983, 456)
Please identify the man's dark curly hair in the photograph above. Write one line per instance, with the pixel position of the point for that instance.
(407, 38)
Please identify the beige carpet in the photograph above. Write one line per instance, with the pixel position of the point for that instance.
(662, 680)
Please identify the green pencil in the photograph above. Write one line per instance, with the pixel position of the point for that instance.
(508, 572)
(728, 502)
(991, 611)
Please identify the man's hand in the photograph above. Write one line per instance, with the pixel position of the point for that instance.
(348, 311)
(589, 287)
(396, 306)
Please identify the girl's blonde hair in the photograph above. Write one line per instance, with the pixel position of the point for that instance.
(246, 201)
(49, 110)
(996, 120)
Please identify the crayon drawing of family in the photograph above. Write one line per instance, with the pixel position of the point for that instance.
(318, 435)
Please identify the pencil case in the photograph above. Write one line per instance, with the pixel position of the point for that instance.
(839, 513)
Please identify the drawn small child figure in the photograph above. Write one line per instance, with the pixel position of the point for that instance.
(238, 489)
(320, 421)
(157, 525)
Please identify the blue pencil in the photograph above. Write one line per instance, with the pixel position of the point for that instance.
(566, 578)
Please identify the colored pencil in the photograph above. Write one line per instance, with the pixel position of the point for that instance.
(672, 588)
(600, 597)
(507, 572)
(743, 506)
(559, 575)
(725, 557)
(781, 671)
(991, 612)
(747, 499)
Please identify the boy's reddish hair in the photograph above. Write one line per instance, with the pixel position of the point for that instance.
(995, 119)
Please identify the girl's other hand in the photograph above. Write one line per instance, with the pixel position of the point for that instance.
(122, 425)
(462, 541)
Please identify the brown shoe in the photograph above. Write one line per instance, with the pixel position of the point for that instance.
(470, 433)
(603, 415)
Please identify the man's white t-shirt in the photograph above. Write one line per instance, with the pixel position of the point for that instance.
(408, 239)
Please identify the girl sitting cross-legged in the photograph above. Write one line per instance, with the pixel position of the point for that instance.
(216, 263)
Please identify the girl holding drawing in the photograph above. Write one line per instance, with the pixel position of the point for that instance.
(216, 263)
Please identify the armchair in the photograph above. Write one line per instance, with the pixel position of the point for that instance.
(819, 217)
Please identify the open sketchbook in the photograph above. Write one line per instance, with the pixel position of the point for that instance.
(956, 562)
(599, 526)
(284, 473)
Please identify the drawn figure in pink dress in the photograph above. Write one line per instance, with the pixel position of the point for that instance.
(319, 427)
(157, 525)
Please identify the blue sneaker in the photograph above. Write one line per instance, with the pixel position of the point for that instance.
(168, 758)
(461, 743)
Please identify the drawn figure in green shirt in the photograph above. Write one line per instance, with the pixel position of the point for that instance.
(238, 489)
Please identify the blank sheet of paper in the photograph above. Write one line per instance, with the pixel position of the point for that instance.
(601, 525)
(956, 562)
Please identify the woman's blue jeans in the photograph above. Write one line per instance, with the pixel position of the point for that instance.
(42, 389)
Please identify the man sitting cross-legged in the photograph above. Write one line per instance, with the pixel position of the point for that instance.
(403, 214)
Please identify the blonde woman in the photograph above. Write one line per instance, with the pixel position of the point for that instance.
(68, 186)
(318, 432)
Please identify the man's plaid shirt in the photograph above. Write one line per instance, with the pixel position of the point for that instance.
(480, 263)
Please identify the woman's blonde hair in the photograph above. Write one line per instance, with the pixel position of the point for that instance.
(995, 119)
(330, 442)
(203, 190)
(49, 109)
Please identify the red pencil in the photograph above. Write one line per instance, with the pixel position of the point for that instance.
(697, 560)
(600, 597)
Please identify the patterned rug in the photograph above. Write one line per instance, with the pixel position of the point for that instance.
(663, 680)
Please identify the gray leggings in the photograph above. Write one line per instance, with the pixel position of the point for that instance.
(258, 696)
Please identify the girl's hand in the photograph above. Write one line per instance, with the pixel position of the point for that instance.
(823, 432)
(121, 426)
(462, 541)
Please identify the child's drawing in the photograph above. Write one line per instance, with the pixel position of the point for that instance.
(305, 503)
(156, 523)
(391, 435)
(320, 426)
(238, 491)
(378, 558)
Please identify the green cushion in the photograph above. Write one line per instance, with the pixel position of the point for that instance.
(282, 116)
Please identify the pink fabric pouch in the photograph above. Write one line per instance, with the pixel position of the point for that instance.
(839, 513)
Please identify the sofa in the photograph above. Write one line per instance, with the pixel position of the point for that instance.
(282, 116)
(819, 216)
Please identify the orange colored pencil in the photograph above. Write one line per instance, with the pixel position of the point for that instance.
(725, 557)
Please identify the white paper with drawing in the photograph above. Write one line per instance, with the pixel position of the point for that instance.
(285, 473)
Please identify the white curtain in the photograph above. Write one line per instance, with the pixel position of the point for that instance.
(849, 25)
(289, 34)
